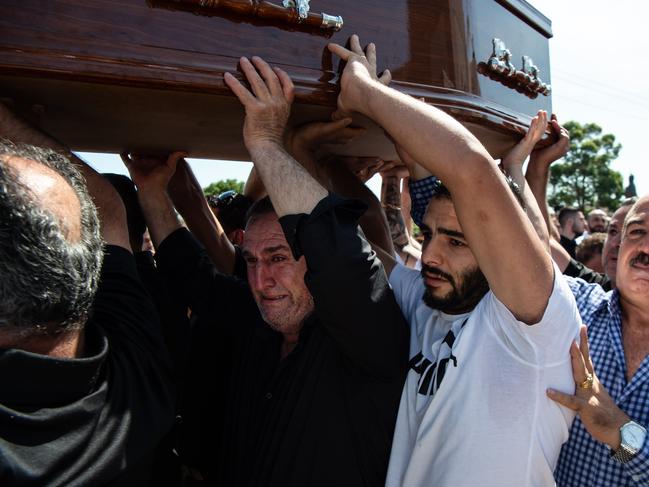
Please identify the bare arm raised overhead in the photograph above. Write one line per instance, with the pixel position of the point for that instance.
(109, 205)
(490, 217)
(267, 111)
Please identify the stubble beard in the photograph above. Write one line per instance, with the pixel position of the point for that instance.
(290, 319)
(461, 298)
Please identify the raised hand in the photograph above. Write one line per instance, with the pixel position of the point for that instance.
(556, 151)
(359, 71)
(268, 106)
(152, 172)
(602, 418)
(517, 155)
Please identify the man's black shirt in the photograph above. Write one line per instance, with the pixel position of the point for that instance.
(569, 245)
(325, 414)
(94, 420)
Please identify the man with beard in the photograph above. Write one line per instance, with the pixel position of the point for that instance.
(597, 221)
(491, 327)
(572, 224)
(608, 442)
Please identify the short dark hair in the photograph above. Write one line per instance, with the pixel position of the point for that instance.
(566, 213)
(48, 283)
(441, 192)
(232, 208)
(259, 208)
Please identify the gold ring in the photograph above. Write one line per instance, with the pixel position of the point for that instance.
(587, 382)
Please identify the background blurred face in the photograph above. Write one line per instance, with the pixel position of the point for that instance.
(597, 221)
(579, 224)
(276, 279)
(633, 258)
(612, 242)
(454, 283)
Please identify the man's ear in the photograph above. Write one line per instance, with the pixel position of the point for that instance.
(236, 236)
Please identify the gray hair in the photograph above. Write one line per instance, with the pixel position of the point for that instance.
(47, 284)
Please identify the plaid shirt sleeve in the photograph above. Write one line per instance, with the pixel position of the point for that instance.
(638, 466)
(420, 193)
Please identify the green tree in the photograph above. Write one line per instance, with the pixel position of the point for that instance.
(585, 179)
(219, 187)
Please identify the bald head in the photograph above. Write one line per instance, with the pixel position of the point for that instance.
(51, 192)
(50, 243)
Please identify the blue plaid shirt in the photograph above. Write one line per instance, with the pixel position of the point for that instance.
(584, 461)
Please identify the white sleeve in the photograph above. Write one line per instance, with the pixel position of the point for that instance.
(408, 289)
(546, 342)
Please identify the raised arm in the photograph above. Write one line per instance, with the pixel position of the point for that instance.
(110, 207)
(537, 175)
(490, 217)
(267, 111)
(512, 164)
(187, 196)
(352, 298)
(151, 176)
(538, 169)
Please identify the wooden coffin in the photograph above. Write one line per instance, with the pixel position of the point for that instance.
(112, 75)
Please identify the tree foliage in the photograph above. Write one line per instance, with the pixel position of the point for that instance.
(219, 187)
(585, 178)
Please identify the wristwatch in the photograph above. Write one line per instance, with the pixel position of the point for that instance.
(633, 436)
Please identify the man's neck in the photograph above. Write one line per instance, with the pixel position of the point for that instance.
(62, 345)
(635, 314)
(568, 234)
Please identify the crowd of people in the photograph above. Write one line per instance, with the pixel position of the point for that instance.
(298, 334)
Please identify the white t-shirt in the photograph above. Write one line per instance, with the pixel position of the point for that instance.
(490, 422)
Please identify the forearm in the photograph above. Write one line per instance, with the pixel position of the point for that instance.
(208, 231)
(290, 187)
(159, 214)
(254, 187)
(413, 124)
(537, 178)
(187, 196)
(391, 203)
(532, 209)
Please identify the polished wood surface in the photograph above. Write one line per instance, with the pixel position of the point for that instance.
(129, 74)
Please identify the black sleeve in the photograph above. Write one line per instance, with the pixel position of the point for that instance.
(350, 289)
(124, 308)
(192, 278)
(577, 269)
(240, 267)
(140, 372)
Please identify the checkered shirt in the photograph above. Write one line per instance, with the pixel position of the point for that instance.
(420, 193)
(585, 462)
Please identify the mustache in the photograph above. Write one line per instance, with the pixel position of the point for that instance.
(641, 258)
(435, 272)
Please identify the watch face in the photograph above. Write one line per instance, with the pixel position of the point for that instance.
(633, 435)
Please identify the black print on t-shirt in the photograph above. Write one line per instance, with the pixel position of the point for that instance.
(431, 374)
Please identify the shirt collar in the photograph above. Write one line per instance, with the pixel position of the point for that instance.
(34, 380)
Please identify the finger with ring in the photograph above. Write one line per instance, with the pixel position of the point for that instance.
(587, 383)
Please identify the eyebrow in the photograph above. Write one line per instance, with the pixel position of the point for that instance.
(451, 233)
(267, 250)
(635, 221)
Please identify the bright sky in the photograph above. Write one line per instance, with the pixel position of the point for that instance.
(599, 74)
